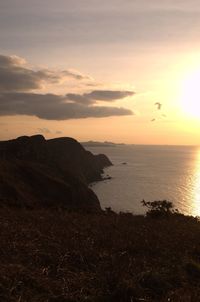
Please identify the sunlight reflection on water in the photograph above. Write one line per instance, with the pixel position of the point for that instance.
(196, 187)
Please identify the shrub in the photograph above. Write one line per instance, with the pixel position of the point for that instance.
(159, 208)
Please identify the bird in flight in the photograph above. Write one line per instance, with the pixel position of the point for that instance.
(153, 120)
(159, 105)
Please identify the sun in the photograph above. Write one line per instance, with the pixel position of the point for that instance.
(190, 95)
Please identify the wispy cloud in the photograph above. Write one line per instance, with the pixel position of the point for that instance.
(99, 95)
(44, 130)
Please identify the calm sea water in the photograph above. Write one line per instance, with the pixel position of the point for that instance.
(151, 173)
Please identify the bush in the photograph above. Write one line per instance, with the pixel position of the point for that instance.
(159, 208)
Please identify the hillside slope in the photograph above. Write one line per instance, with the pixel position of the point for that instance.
(39, 172)
(57, 256)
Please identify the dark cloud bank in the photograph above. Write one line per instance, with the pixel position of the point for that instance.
(16, 76)
(17, 97)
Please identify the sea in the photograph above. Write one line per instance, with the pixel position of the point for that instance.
(151, 173)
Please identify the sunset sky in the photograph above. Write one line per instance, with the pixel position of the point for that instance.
(93, 70)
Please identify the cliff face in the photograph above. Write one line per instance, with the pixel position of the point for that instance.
(35, 172)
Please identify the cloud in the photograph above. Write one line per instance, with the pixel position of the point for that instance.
(16, 76)
(53, 107)
(47, 131)
(44, 130)
(99, 95)
(75, 74)
(139, 23)
(11, 61)
(18, 83)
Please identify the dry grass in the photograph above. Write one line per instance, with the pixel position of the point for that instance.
(54, 256)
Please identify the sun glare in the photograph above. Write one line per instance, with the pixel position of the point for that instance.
(190, 95)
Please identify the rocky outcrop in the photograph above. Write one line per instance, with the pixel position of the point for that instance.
(35, 172)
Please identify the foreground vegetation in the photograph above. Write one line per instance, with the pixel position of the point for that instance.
(57, 256)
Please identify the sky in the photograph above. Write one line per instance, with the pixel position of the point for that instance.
(94, 70)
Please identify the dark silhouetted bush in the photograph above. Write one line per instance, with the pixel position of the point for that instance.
(159, 208)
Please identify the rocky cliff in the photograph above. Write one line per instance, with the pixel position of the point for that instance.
(39, 172)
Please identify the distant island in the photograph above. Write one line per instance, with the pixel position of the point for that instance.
(101, 144)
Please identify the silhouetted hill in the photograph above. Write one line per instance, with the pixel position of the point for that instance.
(35, 171)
